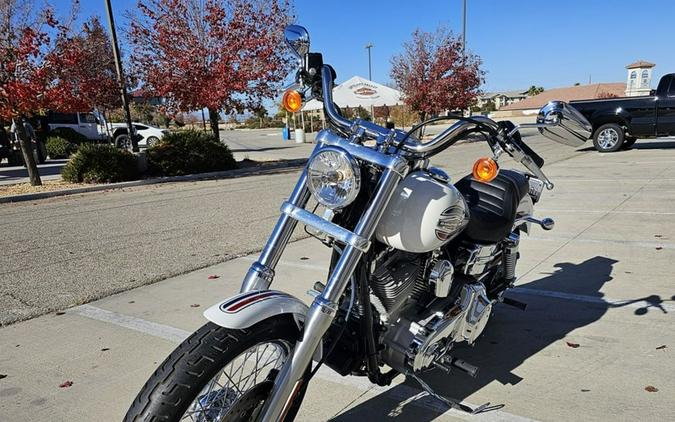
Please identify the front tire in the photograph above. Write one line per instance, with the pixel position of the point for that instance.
(195, 383)
(608, 138)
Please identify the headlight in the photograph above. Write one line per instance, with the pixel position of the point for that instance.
(333, 177)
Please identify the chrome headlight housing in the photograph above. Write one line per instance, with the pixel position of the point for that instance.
(333, 177)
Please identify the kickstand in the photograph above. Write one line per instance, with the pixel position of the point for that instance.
(454, 403)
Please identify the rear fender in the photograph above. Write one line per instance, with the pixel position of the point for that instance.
(618, 116)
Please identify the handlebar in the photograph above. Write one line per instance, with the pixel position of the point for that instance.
(516, 148)
(411, 145)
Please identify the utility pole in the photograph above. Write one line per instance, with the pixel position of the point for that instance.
(120, 78)
(370, 78)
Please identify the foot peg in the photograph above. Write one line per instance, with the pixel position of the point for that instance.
(546, 223)
(515, 303)
(460, 364)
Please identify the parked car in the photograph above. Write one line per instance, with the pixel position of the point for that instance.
(619, 122)
(148, 135)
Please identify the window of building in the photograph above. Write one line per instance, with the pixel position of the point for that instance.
(645, 78)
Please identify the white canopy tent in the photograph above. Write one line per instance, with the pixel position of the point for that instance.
(359, 91)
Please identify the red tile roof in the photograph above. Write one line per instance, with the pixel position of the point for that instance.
(640, 63)
(581, 92)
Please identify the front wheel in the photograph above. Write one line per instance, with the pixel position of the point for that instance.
(219, 374)
(608, 137)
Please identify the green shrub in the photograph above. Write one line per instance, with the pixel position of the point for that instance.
(189, 152)
(58, 147)
(94, 163)
(69, 134)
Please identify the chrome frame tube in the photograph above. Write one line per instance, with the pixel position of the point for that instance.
(323, 309)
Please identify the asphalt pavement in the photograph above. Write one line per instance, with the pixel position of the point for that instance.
(595, 342)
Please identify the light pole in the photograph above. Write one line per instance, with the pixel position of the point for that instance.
(463, 26)
(370, 76)
(370, 70)
(120, 78)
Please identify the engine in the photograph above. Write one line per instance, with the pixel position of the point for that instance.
(425, 308)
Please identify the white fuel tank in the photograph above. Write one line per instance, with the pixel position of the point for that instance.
(423, 214)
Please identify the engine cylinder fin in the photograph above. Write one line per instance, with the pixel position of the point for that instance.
(396, 278)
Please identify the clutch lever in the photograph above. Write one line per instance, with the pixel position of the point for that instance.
(519, 155)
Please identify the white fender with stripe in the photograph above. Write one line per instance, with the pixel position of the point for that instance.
(246, 309)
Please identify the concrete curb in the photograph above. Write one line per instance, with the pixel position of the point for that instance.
(275, 167)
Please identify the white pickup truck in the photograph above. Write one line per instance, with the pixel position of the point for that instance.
(93, 126)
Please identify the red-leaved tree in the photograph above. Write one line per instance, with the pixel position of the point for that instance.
(222, 55)
(434, 74)
(45, 66)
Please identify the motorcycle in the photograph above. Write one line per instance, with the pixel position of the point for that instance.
(417, 264)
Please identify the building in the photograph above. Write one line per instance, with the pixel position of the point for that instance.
(140, 96)
(531, 105)
(639, 78)
(502, 98)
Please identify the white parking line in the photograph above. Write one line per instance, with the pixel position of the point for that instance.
(166, 332)
(554, 211)
(635, 243)
(412, 396)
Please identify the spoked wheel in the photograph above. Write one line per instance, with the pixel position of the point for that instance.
(219, 374)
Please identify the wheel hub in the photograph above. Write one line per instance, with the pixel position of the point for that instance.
(608, 138)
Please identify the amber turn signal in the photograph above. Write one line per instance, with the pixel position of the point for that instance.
(292, 101)
(485, 169)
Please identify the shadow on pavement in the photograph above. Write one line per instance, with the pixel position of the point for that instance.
(511, 337)
(654, 145)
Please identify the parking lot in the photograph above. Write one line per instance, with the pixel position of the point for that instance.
(595, 342)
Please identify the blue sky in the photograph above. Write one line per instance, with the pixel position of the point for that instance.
(522, 43)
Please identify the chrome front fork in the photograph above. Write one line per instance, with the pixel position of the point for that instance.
(322, 311)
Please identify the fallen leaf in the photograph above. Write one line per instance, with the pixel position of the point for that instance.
(213, 277)
(66, 384)
(60, 313)
(304, 258)
(658, 235)
(658, 248)
(105, 349)
(194, 305)
(572, 345)
(584, 390)
(3, 376)
(132, 301)
(651, 389)
(661, 347)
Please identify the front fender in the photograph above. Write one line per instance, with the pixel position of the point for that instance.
(246, 309)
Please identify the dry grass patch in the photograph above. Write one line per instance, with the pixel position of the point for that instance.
(47, 186)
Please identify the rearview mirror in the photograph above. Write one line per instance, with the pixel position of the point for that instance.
(562, 123)
(297, 38)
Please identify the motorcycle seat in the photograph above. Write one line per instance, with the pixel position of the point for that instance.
(492, 205)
